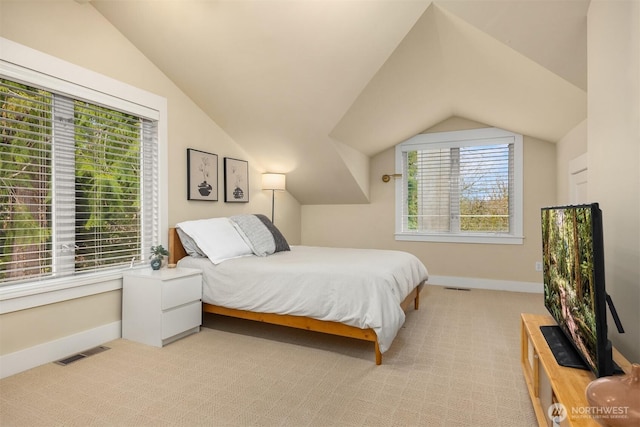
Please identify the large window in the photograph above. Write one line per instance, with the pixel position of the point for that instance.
(71, 185)
(80, 170)
(463, 186)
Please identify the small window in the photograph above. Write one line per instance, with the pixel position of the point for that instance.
(463, 186)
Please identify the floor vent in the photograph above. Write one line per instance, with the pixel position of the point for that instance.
(458, 289)
(82, 355)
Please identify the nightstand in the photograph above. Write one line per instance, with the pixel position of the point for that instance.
(161, 306)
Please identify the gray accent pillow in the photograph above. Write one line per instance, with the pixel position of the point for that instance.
(280, 241)
(255, 233)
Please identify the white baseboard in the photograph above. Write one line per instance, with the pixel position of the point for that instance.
(490, 284)
(22, 360)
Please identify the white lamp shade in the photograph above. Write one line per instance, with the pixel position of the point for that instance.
(273, 181)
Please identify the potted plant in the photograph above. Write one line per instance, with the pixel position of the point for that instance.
(157, 255)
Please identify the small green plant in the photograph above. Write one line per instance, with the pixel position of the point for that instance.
(158, 252)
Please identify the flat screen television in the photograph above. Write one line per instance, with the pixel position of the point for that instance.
(574, 287)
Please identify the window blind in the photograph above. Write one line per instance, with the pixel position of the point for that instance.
(90, 173)
(25, 181)
(150, 188)
(458, 188)
(108, 223)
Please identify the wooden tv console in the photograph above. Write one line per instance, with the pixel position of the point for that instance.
(549, 382)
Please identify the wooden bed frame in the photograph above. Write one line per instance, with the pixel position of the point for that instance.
(177, 252)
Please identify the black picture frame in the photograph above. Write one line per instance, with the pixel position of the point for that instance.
(202, 175)
(236, 180)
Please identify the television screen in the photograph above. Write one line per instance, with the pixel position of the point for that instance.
(574, 289)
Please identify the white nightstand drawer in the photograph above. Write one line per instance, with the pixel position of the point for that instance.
(161, 306)
(180, 319)
(180, 291)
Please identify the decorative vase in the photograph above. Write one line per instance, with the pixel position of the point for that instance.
(238, 193)
(156, 263)
(615, 400)
(204, 188)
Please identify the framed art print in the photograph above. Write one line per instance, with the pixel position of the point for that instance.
(236, 180)
(202, 175)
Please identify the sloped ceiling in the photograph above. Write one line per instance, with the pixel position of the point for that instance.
(314, 88)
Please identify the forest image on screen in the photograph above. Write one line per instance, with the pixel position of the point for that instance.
(569, 276)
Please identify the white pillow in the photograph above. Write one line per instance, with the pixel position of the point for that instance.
(189, 245)
(217, 238)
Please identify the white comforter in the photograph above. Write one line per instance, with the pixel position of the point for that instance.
(357, 287)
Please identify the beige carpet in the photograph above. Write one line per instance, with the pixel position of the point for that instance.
(454, 363)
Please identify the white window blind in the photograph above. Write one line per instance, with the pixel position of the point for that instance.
(459, 185)
(26, 176)
(87, 179)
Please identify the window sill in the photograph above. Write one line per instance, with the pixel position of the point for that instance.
(490, 239)
(33, 294)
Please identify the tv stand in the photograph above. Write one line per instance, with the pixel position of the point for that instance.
(549, 382)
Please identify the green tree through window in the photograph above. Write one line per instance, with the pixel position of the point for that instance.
(107, 147)
(70, 184)
(25, 181)
(462, 186)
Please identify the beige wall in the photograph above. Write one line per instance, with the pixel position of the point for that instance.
(78, 34)
(372, 225)
(27, 328)
(614, 154)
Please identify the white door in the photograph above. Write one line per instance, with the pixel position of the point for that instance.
(579, 180)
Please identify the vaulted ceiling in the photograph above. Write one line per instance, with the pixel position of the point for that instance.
(315, 88)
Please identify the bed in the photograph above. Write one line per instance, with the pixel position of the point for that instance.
(355, 293)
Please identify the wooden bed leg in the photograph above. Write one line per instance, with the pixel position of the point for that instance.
(416, 302)
(378, 354)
